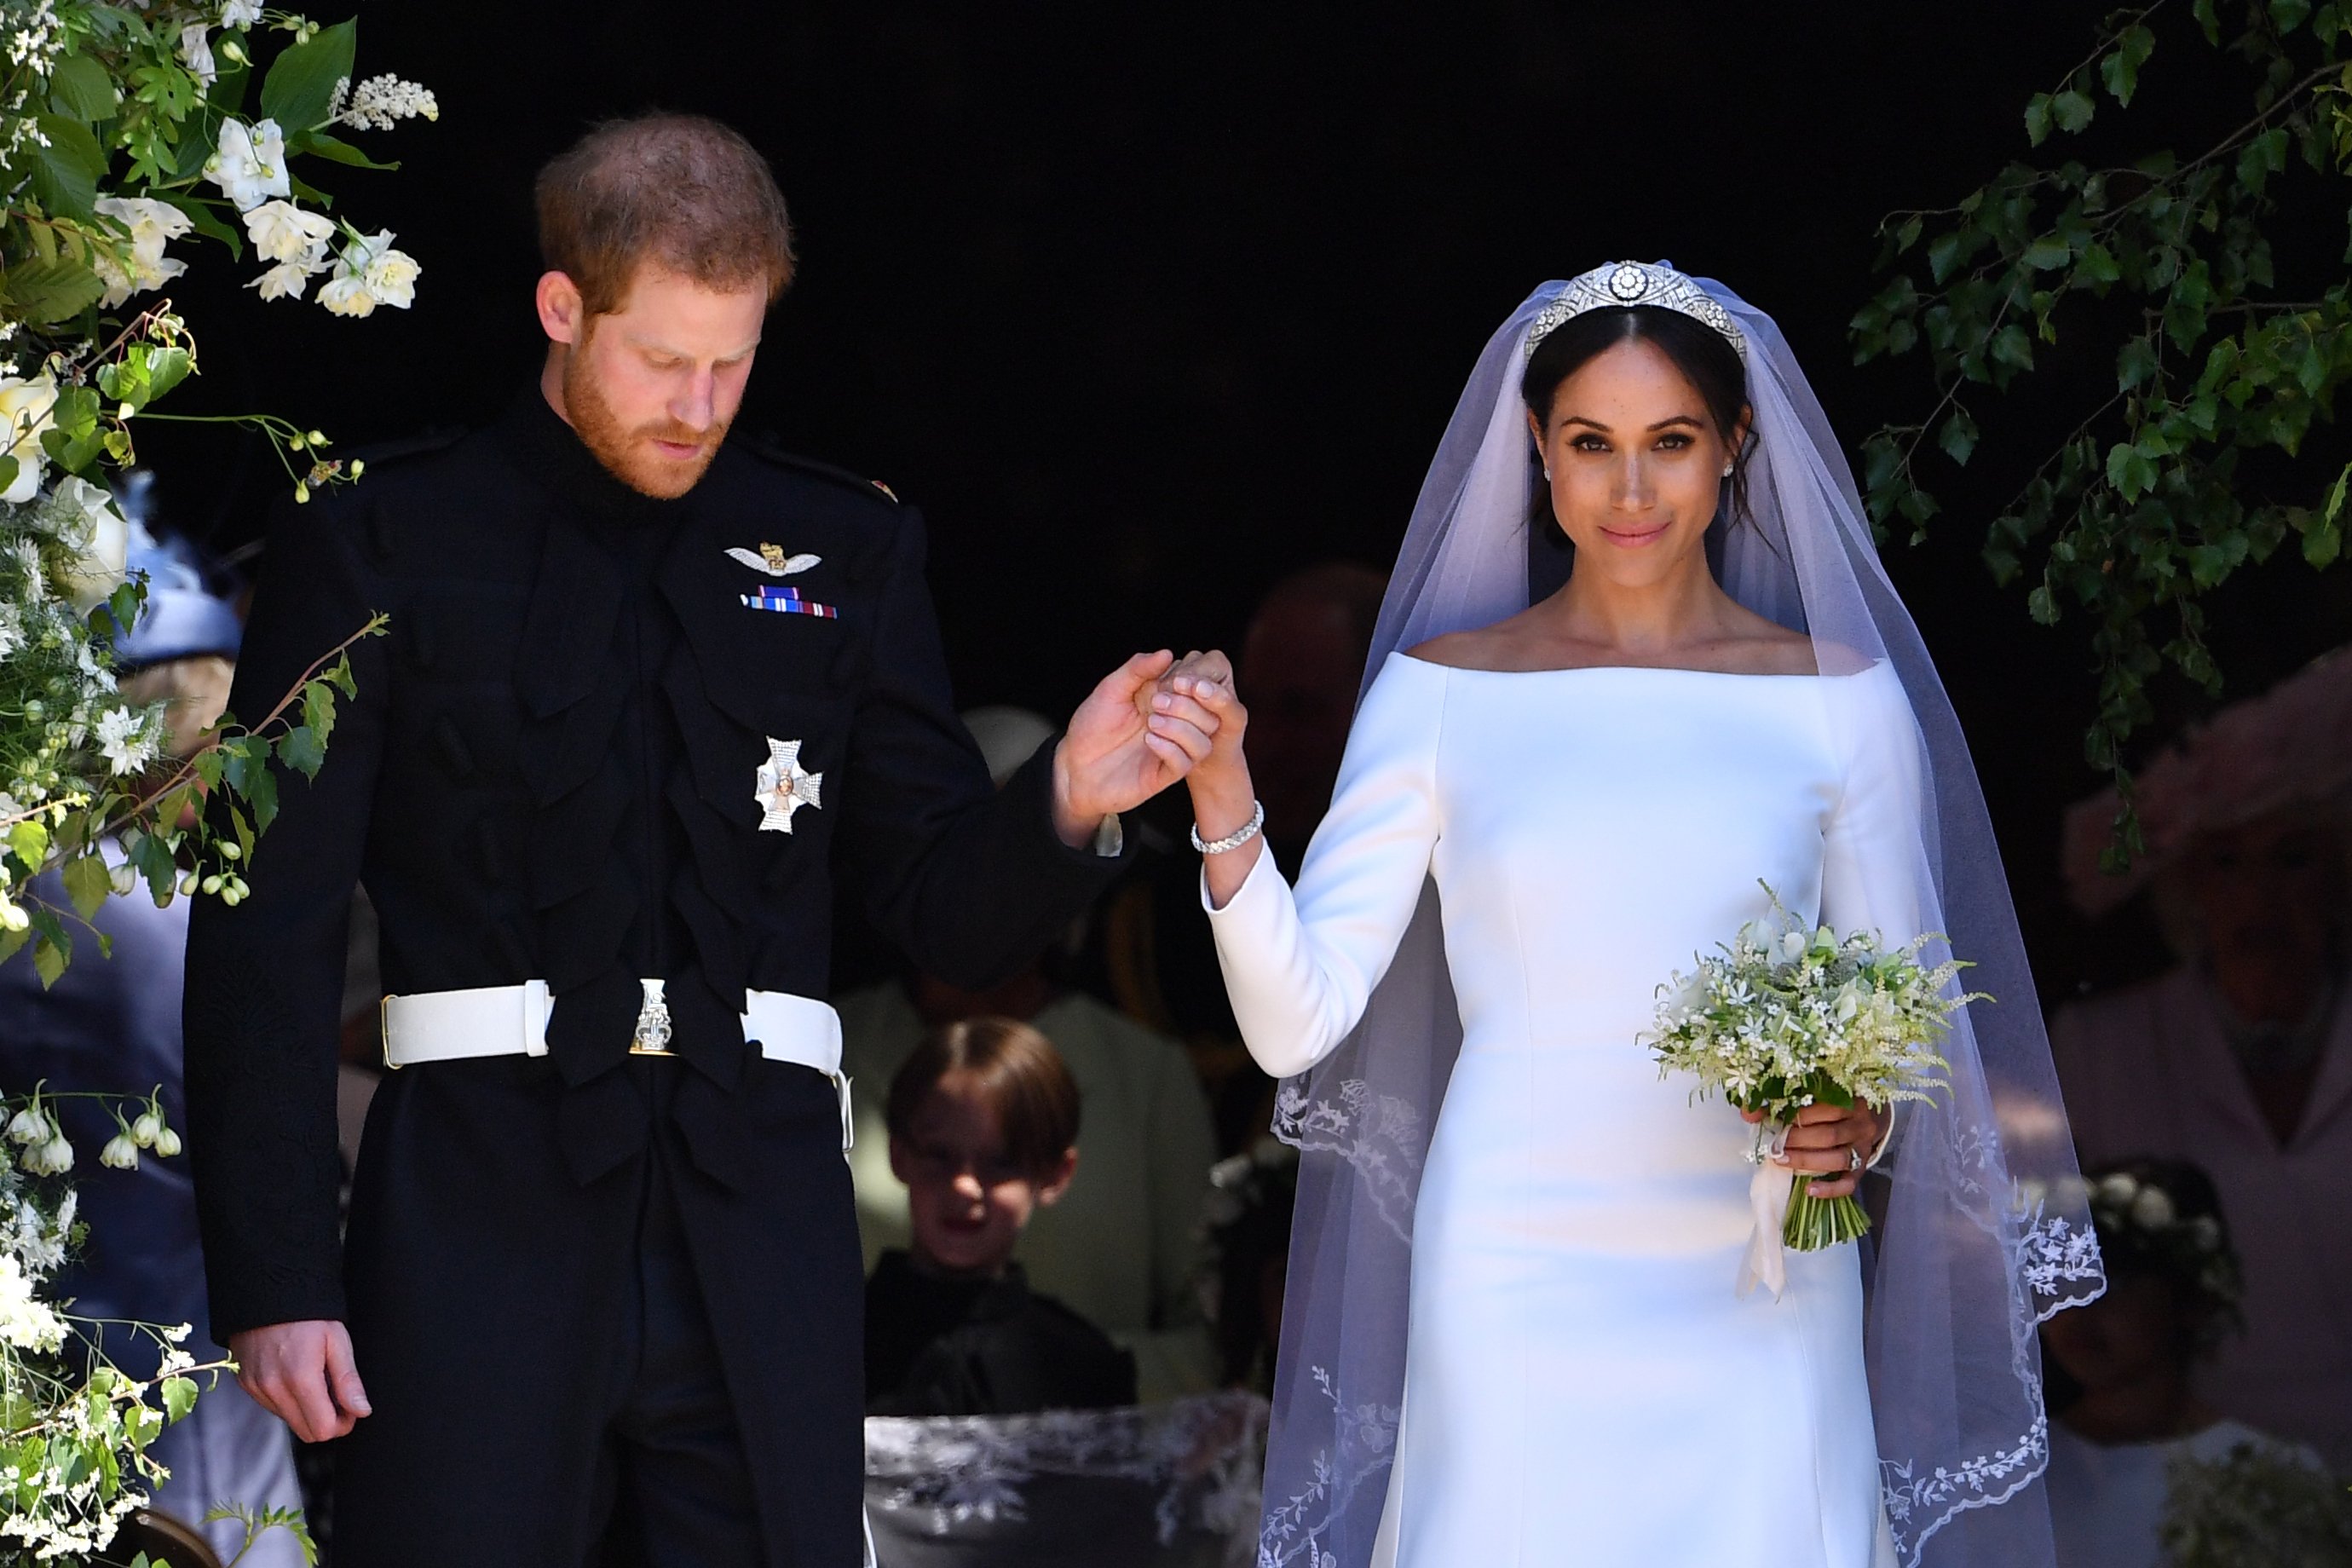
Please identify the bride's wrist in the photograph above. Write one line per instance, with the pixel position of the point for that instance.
(1221, 804)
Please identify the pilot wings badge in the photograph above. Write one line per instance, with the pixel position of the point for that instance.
(783, 786)
(771, 560)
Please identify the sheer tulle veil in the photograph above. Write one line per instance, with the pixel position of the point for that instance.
(1986, 1231)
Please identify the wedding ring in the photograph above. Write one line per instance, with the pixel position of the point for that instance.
(1854, 1157)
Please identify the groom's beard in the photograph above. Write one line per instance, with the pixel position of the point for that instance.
(630, 455)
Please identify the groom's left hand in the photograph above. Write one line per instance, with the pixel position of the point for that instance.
(1113, 759)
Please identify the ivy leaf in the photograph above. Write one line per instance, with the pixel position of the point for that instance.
(52, 946)
(179, 1398)
(2013, 348)
(2047, 254)
(2037, 119)
(2098, 265)
(301, 81)
(28, 841)
(2072, 111)
(260, 793)
(1958, 436)
(303, 750)
(88, 884)
(2289, 15)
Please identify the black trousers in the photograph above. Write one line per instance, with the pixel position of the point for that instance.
(672, 1488)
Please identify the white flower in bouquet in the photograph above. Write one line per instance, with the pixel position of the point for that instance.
(1787, 1018)
(126, 740)
(282, 232)
(96, 531)
(250, 163)
(151, 226)
(241, 14)
(28, 409)
(119, 1153)
(196, 53)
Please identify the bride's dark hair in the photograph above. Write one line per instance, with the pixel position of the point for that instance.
(1704, 355)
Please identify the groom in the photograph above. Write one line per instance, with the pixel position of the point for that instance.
(644, 696)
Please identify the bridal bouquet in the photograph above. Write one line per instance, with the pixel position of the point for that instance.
(1787, 1018)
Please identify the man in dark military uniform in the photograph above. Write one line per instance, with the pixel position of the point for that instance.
(644, 696)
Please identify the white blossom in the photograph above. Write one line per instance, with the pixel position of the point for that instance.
(380, 101)
(28, 1126)
(12, 637)
(241, 14)
(120, 1153)
(287, 280)
(144, 1129)
(281, 231)
(2151, 1207)
(196, 53)
(26, 1321)
(100, 539)
(152, 225)
(346, 295)
(250, 163)
(125, 739)
(27, 410)
(369, 272)
(167, 1144)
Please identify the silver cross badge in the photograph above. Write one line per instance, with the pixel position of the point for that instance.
(784, 786)
(651, 1036)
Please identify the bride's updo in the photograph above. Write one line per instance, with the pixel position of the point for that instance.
(1704, 355)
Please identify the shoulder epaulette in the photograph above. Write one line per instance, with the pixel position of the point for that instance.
(768, 447)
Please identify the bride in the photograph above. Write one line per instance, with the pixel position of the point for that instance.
(1514, 1336)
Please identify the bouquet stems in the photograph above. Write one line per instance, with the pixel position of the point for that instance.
(1814, 1223)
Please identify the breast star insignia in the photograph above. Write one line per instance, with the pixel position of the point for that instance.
(771, 560)
(784, 786)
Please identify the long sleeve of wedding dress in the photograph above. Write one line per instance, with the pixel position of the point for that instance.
(1299, 967)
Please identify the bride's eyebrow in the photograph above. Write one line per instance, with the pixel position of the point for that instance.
(1668, 424)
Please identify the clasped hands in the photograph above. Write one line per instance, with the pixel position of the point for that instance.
(1149, 723)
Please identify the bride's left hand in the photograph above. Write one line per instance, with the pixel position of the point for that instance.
(1824, 1142)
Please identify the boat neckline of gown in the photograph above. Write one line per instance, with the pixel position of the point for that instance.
(1641, 669)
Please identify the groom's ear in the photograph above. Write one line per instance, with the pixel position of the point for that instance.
(561, 311)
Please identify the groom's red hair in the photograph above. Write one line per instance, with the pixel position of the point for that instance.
(678, 191)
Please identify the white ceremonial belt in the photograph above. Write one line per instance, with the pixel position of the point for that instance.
(511, 1021)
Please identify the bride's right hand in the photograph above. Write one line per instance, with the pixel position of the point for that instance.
(1199, 691)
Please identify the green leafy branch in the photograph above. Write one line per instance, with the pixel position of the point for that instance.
(2148, 502)
(165, 840)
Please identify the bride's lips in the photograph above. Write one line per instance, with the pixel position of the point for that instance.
(1635, 538)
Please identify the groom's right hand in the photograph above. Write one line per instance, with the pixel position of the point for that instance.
(303, 1375)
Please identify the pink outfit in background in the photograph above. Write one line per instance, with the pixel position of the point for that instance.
(2148, 1071)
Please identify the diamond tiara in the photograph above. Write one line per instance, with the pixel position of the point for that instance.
(1616, 285)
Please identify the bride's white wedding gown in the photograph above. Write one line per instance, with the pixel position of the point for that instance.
(1583, 1384)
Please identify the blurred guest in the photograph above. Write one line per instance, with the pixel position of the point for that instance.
(1249, 1229)
(983, 1123)
(2126, 1406)
(2240, 1058)
(1301, 667)
(112, 1024)
(1123, 1247)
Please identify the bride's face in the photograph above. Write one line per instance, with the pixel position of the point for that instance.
(1636, 465)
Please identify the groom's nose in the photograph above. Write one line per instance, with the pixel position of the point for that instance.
(696, 403)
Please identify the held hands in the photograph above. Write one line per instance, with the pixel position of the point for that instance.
(303, 1375)
(1825, 1140)
(1120, 751)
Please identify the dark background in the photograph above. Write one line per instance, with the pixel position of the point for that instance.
(1149, 306)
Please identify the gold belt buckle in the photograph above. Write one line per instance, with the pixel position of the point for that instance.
(652, 1033)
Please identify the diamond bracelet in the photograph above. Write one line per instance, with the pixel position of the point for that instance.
(1235, 839)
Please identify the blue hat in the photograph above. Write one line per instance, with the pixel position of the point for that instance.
(182, 618)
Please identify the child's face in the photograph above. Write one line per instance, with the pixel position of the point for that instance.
(2130, 1335)
(966, 1200)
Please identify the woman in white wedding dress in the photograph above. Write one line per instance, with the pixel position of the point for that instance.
(1599, 786)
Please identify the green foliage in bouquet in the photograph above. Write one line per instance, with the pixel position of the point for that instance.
(2162, 265)
(2259, 1506)
(123, 130)
(1787, 1018)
